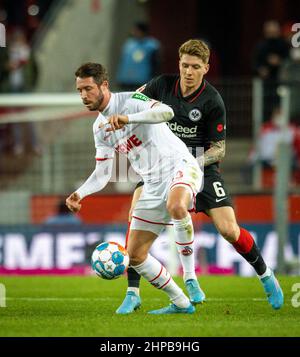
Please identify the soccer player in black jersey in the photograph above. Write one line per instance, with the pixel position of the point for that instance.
(200, 121)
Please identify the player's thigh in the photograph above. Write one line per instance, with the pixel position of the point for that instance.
(136, 195)
(213, 195)
(139, 244)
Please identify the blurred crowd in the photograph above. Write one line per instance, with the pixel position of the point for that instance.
(19, 70)
(19, 74)
(277, 63)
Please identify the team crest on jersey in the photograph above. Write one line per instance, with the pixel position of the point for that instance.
(195, 114)
(186, 251)
(179, 174)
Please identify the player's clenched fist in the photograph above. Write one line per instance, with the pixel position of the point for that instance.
(115, 122)
(72, 202)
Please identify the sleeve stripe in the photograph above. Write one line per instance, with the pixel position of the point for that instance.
(103, 159)
(154, 103)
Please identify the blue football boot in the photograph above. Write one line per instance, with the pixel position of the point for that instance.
(131, 303)
(173, 309)
(273, 291)
(196, 294)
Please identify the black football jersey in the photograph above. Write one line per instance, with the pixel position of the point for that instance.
(199, 118)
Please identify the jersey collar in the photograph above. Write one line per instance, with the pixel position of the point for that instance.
(110, 104)
(192, 97)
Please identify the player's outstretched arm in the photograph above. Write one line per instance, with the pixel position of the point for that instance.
(96, 182)
(158, 113)
(73, 202)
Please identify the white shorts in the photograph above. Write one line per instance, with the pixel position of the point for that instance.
(150, 212)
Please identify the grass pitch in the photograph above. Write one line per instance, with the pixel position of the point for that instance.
(85, 306)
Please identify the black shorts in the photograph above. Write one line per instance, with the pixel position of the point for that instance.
(214, 193)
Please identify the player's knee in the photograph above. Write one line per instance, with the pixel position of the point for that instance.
(230, 231)
(177, 210)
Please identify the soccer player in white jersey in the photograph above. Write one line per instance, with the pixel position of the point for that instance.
(134, 125)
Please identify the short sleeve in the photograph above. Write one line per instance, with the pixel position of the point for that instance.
(216, 120)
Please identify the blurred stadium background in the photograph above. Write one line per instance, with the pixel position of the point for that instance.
(58, 150)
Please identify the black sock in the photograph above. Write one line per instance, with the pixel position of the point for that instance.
(255, 259)
(133, 278)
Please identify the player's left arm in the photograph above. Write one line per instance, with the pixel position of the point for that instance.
(215, 153)
(146, 111)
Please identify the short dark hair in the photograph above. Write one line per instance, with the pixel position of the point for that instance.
(196, 48)
(95, 70)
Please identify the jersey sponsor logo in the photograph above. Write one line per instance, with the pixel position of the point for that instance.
(195, 114)
(182, 129)
(140, 96)
(126, 147)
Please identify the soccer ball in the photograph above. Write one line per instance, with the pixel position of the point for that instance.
(110, 260)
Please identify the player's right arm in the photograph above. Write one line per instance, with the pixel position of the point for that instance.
(97, 180)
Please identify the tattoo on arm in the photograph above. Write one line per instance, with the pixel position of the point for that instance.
(215, 153)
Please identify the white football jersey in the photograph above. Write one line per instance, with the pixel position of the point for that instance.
(152, 149)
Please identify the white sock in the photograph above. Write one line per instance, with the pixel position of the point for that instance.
(268, 272)
(153, 271)
(184, 239)
(134, 290)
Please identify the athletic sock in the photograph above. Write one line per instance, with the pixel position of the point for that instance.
(134, 290)
(133, 278)
(184, 239)
(248, 249)
(268, 272)
(153, 271)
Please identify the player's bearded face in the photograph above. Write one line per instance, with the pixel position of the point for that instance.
(96, 104)
(90, 92)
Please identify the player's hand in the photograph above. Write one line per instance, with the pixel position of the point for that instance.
(72, 202)
(115, 122)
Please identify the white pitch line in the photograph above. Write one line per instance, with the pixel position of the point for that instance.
(110, 298)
